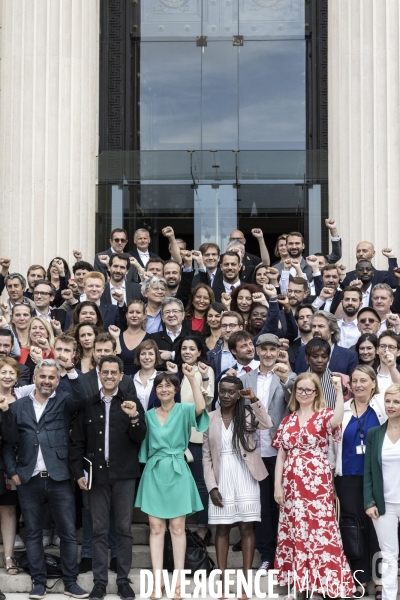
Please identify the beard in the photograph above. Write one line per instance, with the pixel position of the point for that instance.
(350, 311)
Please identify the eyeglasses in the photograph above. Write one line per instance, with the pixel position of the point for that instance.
(109, 373)
(361, 269)
(172, 312)
(36, 293)
(366, 320)
(294, 292)
(229, 325)
(387, 347)
(121, 240)
(304, 392)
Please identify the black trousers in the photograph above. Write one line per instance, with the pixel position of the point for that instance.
(121, 493)
(349, 489)
(267, 528)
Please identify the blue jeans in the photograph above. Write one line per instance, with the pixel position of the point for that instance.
(32, 498)
(87, 530)
(196, 468)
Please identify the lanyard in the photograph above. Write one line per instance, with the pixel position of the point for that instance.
(360, 423)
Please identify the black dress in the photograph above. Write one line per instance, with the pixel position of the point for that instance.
(127, 356)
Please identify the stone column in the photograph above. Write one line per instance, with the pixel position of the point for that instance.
(364, 123)
(48, 129)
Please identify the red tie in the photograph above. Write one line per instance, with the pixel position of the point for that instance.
(247, 369)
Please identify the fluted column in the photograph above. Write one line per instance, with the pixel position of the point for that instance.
(48, 129)
(364, 123)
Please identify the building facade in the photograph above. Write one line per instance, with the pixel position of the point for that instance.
(204, 114)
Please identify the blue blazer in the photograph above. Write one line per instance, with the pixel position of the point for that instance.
(112, 315)
(342, 361)
(52, 433)
(379, 277)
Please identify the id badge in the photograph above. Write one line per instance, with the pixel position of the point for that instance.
(360, 449)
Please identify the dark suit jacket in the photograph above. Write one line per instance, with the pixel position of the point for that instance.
(342, 361)
(51, 433)
(135, 253)
(8, 433)
(275, 316)
(163, 340)
(379, 276)
(25, 378)
(293, 350)
(218, 284)
(112, 315)
(92, 387)
(197, 280)
(214, 358)
(133, 290)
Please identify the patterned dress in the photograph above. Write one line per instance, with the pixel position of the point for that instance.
(239, 490)
(309, 541)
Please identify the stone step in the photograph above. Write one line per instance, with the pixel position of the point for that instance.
(141, 557)
(141, 532)
(22, 584)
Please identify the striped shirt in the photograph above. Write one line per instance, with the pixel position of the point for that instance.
(328, 388)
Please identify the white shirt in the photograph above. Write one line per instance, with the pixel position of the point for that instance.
(384, 381)
(366, 295)
(349, 333)
(228, 286)
(122, 289)
(39, 410)
(390, 470)
(48, 317)
(263, 438)
(173, 335)
(144, 257)
(382, 328)
(318, 302)
(143, 392)
(107, 404)
(241, 370)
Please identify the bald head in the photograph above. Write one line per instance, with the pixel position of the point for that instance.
(365, 251)
(237, 236)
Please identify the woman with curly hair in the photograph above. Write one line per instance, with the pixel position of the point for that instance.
(233, 467)
(200, 299)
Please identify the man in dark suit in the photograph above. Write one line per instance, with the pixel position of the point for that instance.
(302, 315)
(44, 293)
(365, 251)
(118, 241)
(327, 294)
(207, 258)
(230, 270)
(174, 328)
(221, 358)
(41, 472)
(369, 278)
(93, 285)
(141, 252)
(119, 266)
(6, 346)
(105, 345)
(251, 259)
(113, 452)
(325, 326)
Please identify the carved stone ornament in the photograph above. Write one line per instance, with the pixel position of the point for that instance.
(275, 4)
(174, 3)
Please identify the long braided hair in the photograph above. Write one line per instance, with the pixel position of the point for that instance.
(241, 429)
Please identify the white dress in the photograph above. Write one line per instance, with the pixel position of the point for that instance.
(239, 490)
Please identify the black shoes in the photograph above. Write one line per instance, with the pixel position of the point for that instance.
(85, 565)
(125, 592)
(37, 592)
(98, 592)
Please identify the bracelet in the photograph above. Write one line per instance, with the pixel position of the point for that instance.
(205, 379)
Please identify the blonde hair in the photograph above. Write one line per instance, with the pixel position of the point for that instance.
(319, 400)
(48, 328)
(367, 370)
(94, 275)
(392, 389)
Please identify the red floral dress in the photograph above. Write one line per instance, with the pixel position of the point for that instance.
(309, 541)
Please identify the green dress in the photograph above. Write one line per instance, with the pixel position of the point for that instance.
(167, 488)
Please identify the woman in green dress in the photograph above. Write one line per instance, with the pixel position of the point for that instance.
(167, 489)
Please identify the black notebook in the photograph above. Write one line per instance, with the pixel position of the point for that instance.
(88, 472)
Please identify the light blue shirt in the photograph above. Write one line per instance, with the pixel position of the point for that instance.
(227, 360)
(154, 324)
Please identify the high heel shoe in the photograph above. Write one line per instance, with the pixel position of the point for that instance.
(177, 592)
(154, 593)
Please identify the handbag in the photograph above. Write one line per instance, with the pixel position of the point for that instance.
(196, 557)
(351, 532)
(53, 564)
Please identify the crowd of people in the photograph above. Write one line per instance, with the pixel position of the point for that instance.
(233, 386)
